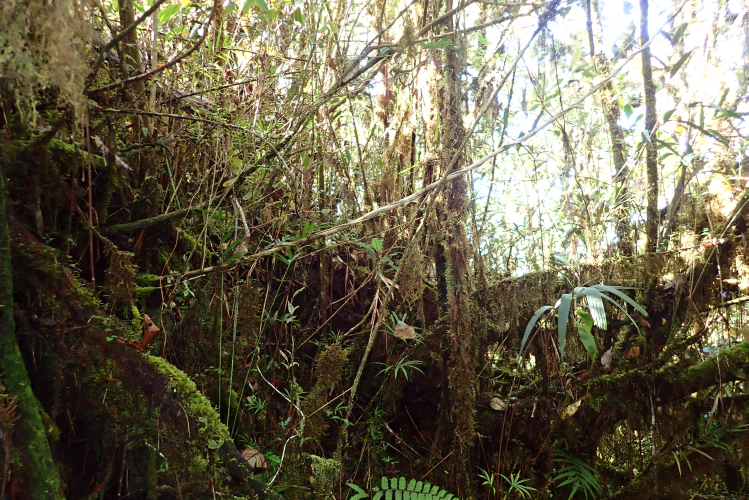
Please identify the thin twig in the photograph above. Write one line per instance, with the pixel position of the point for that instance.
(122, 35)
(197, 119)
(168, 65)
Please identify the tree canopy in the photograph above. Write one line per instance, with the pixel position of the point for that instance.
(287, 249)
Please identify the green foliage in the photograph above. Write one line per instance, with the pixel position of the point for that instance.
(402, 366)
(597, 315)
(576, 474)
(400, 488)
(518, 485)
(40, 48)
(488, 480)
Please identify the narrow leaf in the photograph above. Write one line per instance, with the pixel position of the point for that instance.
(565, 301)
(727, 113)
(622, 310)
(529, 328)
(678, 33)
(617, 291)
(678, 64)
(667, 115)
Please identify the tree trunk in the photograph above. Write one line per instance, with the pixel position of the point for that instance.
(620, 178)
(37, 464)
(651, 157)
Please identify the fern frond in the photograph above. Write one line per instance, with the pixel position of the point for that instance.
(401, 488)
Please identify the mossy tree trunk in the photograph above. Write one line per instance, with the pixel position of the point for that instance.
(457, 419)
(38, 467)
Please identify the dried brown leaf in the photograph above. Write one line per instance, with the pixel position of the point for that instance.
(404, 331)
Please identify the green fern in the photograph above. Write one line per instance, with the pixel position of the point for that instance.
(400, 488)
(576, 474)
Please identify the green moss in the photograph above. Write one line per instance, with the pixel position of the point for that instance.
(213, 432)
(147, 279)
(31, 431)
(325, 471)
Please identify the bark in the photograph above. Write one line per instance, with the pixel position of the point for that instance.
(651, 153)
(131, 63)
(37, 462)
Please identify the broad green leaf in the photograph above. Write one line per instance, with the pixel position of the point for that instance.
(678, 64)
(565, 301)
(528, 330)
(389, 495)
(646, 137)
(561, 259)
(247, 6)
(168, 13)
(595, 304)
(384, 483)
(263, 6)
(378, 496)
(588, 341)
(586, 318)
(298, 16)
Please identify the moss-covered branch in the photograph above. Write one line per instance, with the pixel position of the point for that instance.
(132, 227)
(44, 483)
